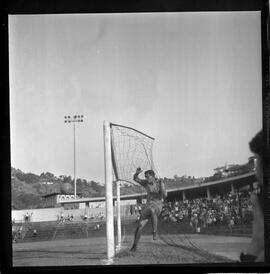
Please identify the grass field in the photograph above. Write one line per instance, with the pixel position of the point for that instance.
(168, 249)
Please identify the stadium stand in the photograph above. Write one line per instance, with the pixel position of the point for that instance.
(229, 214)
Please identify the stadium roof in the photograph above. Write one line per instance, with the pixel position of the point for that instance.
(240, 178)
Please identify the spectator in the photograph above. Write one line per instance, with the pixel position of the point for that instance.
(14, 234)
(61, 217)
(135, 209)
(255, 251)
(34, 233)
(14, 237)
(139, 209)
(27, 217)
(131, 209)
(195, 221)
(19, 233)
(231, 224)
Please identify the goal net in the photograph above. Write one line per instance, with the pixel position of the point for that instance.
(130, 149)
(125, 149)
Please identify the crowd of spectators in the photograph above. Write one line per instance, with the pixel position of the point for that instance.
(93, 217)
(65, 218)
(230, 209)
(135, 209)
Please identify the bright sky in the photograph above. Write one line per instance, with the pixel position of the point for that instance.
(190, 80)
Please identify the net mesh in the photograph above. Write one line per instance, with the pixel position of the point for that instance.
(130, 149)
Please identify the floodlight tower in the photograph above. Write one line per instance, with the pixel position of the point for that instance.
(75, 119)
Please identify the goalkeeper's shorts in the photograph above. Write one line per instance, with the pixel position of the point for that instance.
(150, 207)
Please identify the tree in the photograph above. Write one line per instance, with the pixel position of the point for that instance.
(175, 177)
(29, 178)
(48, 176)
(66, 179)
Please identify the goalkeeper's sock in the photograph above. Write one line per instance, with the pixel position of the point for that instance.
(154, 235)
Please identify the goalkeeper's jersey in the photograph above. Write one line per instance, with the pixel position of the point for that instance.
(154, 194)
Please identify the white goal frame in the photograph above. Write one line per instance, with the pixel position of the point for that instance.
(111, 248)
(110, 169)
(109, 192)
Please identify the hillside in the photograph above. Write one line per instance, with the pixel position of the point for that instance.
(28, 188)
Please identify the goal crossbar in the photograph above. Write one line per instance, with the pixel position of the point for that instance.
(112, 124)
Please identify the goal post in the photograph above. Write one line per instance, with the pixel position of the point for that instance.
(108, 192)
(119, 233)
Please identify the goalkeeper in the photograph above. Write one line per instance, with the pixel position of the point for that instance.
(155, 194)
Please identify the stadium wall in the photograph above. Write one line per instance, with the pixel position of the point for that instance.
(52, 214)
(37, 215)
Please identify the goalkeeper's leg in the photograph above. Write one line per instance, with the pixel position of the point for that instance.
(138, 233)
(155, 211)
(154, 224)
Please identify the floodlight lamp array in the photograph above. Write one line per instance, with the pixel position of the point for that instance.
(75, 118)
